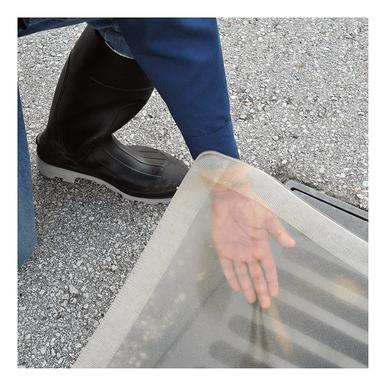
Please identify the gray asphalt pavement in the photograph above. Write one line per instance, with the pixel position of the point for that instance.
(298, 91)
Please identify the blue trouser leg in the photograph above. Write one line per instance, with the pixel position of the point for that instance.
(26, 215)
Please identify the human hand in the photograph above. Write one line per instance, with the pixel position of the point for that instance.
(241, 224)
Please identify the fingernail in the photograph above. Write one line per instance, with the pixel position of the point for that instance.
(265, 304)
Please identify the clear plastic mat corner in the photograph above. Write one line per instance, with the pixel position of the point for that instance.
(176, 308)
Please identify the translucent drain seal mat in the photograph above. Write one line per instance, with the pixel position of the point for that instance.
(176, 308)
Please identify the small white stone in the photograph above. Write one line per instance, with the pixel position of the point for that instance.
(73, 290)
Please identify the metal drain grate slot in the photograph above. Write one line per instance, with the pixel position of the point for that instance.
(349, 216)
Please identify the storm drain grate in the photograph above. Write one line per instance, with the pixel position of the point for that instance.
(349, 216)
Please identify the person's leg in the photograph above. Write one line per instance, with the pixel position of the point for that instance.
(98, 92)
(25, 212)
(110, 33)
(26, 216)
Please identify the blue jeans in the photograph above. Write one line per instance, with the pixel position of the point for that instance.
(26, 235)
(183, 59)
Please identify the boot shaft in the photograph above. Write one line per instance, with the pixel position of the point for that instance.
(97, 93)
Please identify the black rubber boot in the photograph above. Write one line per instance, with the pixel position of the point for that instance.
(97, 93)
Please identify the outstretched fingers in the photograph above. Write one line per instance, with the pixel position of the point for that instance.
(264, 256)
(245, 281)
(259, 283)
(229, 273)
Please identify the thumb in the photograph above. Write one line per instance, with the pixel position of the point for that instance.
(277, 230)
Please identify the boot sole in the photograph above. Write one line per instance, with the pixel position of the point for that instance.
(70, 176)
